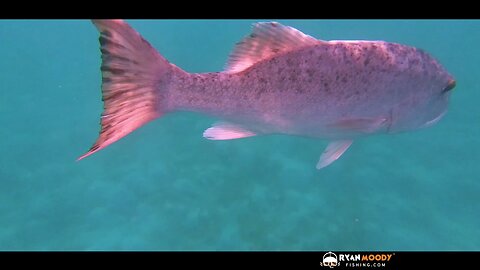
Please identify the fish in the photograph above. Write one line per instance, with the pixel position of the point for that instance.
(277, 80)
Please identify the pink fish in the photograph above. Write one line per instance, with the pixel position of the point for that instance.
(278, 80)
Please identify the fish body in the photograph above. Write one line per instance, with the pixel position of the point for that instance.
(277, 81)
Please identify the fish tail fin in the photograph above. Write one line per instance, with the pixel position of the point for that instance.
(134, 76)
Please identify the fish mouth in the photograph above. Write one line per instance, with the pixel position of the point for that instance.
(450, 85)
(434, 120)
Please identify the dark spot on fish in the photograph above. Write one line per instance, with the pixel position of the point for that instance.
(106, 33)
(421, 52)
(310, 72)
(102, 41)
(367, 60)
(112, 57)
(111, 96)
(325, 87)
(414, 62)
(260, 91)
(115, 71)
(110, 43)
(106, 80)
(95, 147)
(105, 53)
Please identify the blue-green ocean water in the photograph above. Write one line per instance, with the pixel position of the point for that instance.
(164, 187)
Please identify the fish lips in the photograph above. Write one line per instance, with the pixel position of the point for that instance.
(450, 85)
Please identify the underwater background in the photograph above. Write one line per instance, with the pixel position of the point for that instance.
(165, 187)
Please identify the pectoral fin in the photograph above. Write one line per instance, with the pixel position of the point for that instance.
(333, 151)
(226, 131)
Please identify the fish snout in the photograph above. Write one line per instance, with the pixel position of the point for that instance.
(450, 85)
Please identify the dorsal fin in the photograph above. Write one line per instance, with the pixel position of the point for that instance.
(266, 40)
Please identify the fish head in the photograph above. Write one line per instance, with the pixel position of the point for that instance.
(426, 99)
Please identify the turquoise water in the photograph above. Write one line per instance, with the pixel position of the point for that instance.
(164, 187)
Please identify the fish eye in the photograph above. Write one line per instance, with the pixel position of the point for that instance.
(451, 84)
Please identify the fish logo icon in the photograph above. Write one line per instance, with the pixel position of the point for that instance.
(330, 260)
